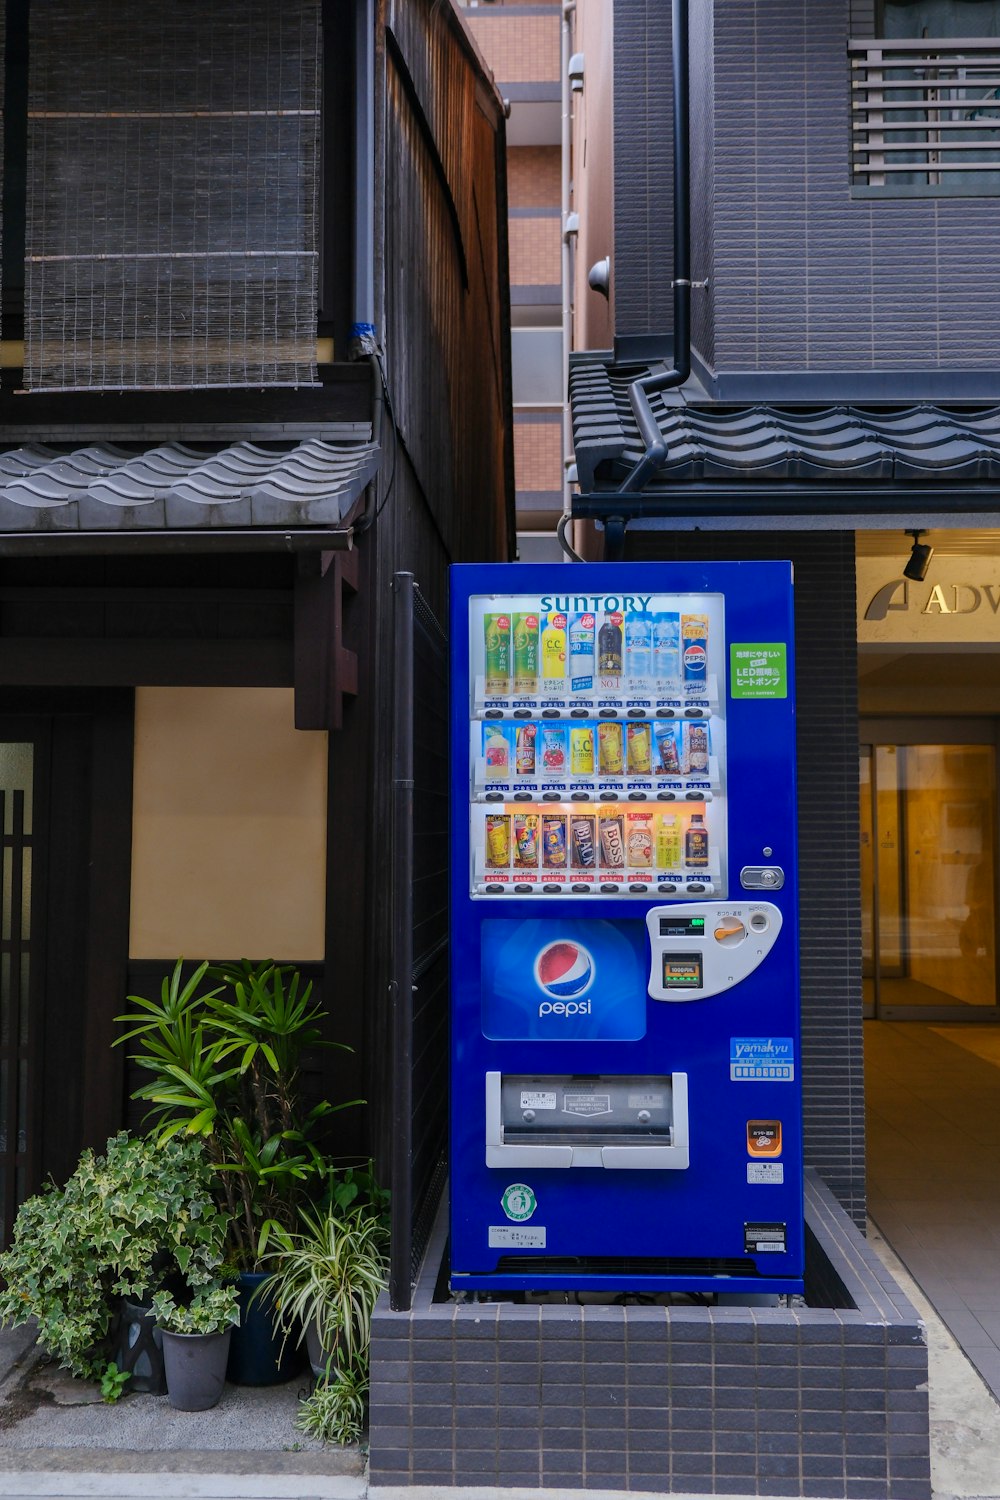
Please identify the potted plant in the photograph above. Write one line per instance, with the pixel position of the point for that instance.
(123, 1226)
(324, 1284)
(196, 1335)
(225, 1065)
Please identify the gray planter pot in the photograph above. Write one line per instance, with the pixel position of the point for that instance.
(320, 1359)
(196, 1368)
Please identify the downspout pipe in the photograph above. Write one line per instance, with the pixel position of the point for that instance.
(565, 522)
(641, 390)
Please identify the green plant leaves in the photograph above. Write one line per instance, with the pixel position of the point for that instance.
(123, 1223)
(224, 1066)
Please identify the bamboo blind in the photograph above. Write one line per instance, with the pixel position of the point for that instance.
(172, 194)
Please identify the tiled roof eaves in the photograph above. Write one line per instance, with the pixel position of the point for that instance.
(777, 445)
(105, 487)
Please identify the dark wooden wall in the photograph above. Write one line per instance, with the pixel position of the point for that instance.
(445, 490)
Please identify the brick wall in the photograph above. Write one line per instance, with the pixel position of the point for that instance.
(537, 455)
(535, 253)
(524, 52)
(533, 177)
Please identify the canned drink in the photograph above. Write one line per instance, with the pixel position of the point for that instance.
(553, 750)
(611, 750)
(667, 759)
(524, 749)
(639, 738)
(553, 643)
(584, 854)
(496, 752)
(526, 840)
(525, 628)
(694, 647)
(639, 840)
(496, 629)
(497, 841)
(696, 748)
(554, 841)
(581, 750)
(612, 841)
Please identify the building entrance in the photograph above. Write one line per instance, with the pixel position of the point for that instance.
(928, 870)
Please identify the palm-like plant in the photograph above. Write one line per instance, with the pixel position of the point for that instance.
(225, 1065)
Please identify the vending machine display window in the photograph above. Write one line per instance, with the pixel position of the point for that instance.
(597, 745)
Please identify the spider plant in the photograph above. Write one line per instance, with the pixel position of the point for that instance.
(335, 1412)
(328, 1274)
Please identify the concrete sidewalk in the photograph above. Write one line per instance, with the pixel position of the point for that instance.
(55, 1443)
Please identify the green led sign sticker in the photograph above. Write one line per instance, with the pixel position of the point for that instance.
(758, 670)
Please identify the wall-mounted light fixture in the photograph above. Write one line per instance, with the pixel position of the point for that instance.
(919, 559)
(599, 276)
(575, 72)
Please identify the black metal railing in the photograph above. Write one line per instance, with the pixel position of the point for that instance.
(419, 959)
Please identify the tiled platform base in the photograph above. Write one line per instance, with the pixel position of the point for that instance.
(828, 1400)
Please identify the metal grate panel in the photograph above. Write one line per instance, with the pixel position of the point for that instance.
(172, 185)
(925, 114)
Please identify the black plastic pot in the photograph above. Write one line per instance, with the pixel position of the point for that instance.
(138, 1348)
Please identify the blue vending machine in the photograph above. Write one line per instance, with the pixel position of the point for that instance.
(625, 1067)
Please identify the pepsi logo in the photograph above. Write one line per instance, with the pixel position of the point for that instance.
(564, 970)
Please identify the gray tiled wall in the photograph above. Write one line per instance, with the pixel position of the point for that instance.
(829, 874)
(815, 1401)
(804, 277)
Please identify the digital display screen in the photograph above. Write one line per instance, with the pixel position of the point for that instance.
(682, 971)
(690, 927)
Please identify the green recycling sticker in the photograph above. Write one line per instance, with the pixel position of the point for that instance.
(518, 1202)
(758, 670)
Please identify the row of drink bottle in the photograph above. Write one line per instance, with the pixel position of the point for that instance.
(534, 653)
(614, 840)
(606, 748)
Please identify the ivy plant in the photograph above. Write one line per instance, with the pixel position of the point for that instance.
(126, 1223)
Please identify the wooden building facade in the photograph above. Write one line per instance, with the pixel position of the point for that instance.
(255, 351)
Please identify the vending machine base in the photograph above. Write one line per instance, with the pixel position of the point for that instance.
(626, 1276)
